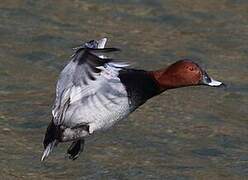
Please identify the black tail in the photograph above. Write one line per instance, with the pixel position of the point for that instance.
(50, 140)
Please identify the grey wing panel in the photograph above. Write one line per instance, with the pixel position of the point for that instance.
(82, 77)
(102, 106)
(77, 73)
(62, 90)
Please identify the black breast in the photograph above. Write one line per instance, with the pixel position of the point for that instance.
(140, 86)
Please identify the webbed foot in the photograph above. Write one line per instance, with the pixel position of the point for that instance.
(75, 149)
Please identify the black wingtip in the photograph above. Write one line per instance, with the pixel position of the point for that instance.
(104, 50)
(101, 50)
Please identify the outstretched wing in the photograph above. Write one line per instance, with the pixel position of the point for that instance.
(84, 76)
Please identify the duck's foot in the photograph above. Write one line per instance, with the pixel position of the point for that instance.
(75, 149)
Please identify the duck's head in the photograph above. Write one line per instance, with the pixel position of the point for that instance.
(183, 73)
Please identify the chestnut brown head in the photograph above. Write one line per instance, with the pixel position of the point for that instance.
(183, 73)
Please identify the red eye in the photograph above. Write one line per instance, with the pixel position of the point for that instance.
(191, 68)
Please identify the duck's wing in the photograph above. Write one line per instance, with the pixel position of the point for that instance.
(84, 76)
(67, 74)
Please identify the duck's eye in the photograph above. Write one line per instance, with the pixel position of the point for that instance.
(191, 68)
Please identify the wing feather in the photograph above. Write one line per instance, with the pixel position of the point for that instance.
(83, 77)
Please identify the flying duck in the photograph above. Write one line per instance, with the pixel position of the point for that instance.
(94, 92)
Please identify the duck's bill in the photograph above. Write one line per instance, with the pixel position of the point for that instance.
(206, 80)
(215, 83)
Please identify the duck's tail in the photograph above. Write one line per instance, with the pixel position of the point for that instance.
(50, 140)
(48, 149)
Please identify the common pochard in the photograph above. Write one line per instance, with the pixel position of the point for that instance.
(94, 92)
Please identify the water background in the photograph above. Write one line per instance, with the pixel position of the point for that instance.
(187, 133)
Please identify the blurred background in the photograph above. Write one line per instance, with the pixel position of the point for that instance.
(187, 133)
